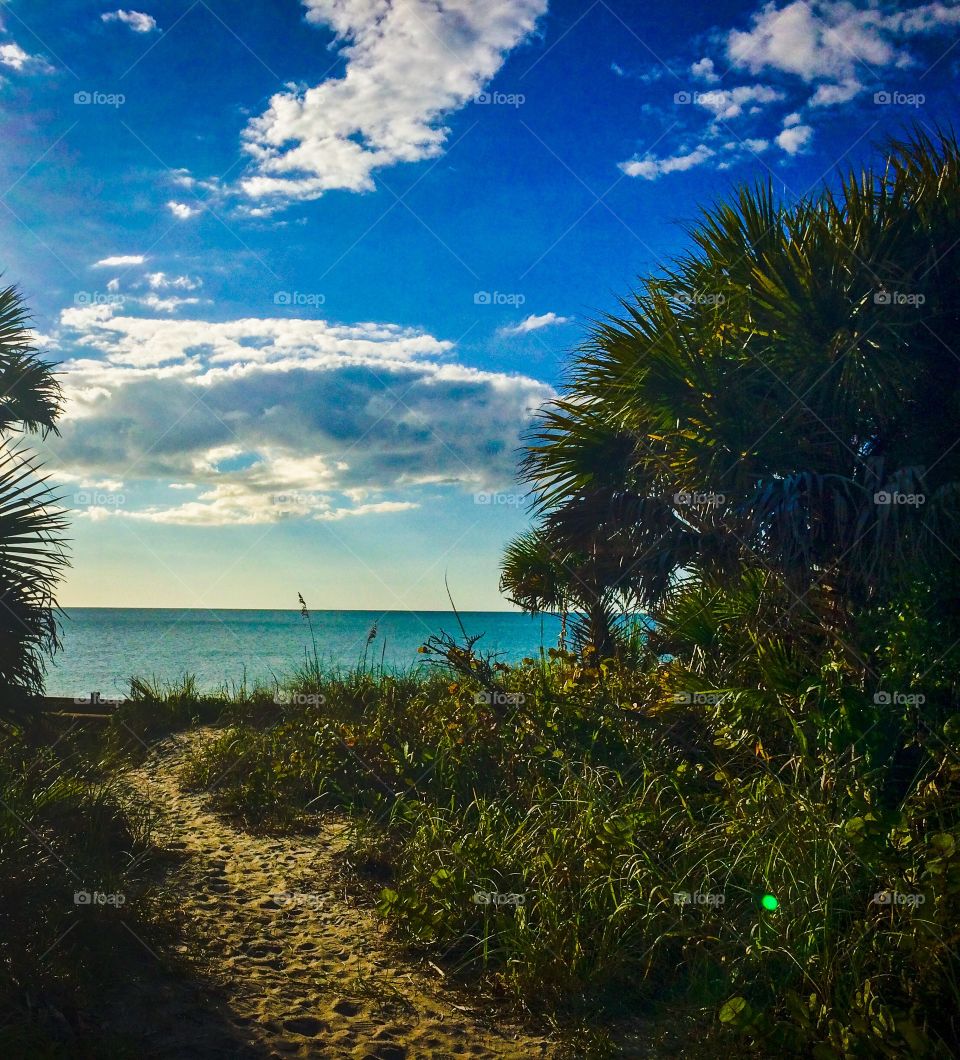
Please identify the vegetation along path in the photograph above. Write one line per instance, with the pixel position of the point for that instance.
(302, 968)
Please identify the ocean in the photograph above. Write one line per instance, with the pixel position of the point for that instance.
(103, 647)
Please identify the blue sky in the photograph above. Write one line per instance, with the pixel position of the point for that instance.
(309, 266)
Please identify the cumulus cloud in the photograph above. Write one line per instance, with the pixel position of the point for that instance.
(408, 66)
(160, 281)
(534, 323)
(825, 51)
(650, 167)
(272, 419)
(15, 58)
(794, 138)
(136, 20)
(166, 305)
(812, 40)
(704, 70)
(182, 211)
(831, 40)
(828, 95)
(119, 261)
(725, 103)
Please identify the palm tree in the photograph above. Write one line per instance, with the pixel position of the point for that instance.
(31, 544)
(752, 406)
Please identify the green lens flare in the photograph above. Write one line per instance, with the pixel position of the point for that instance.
(768, 901)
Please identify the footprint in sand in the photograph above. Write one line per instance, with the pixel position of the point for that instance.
(272, 968)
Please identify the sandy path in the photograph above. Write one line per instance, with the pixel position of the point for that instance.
(306, 976)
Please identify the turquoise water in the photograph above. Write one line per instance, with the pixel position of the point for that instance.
(105, 646)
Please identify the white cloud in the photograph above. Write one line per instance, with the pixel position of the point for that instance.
(182, 211)
(280, 418)
(408, 66)
(832, 40)
(166, 305)
(705, 70)
(794, 138)
(725, 103)
(114, 284)
(14, 57)
(160, 281)
(827, 95)
(826, 49)
(812, 40)
(119, 261)
(136, 20)
(534, 323)
(376, 508)
(651, 167)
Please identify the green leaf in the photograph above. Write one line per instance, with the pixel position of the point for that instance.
(734, 1010)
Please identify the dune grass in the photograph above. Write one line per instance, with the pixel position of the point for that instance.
(75, 890)
(598, 852)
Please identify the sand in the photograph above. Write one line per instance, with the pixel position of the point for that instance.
(288, 963)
